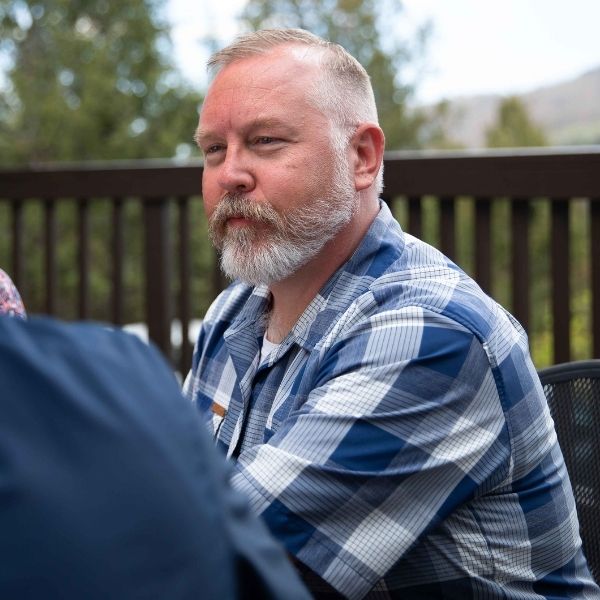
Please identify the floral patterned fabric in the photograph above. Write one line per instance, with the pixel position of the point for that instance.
(10, 300)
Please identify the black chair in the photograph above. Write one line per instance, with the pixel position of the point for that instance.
(573, 392)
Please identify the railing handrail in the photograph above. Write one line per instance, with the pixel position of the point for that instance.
(531, 172)
(549, 172)
(140, 178)
(495, 152)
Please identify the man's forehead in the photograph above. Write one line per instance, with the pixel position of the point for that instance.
(256, 101)
(273, 76)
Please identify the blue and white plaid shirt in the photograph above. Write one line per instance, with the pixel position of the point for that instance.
(398, 441)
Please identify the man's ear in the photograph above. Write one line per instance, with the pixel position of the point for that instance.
(367, 143)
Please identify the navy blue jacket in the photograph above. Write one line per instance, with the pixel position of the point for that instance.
(109, 487)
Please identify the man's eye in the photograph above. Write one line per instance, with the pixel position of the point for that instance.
(212, 149)
(264, 139)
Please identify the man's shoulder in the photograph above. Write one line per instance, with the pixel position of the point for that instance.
(425, 279)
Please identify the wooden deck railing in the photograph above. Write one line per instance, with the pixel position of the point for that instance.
(505, 216)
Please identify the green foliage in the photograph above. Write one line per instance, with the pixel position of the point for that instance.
(513, 127)
(89, 79)
(581, 133)
(437, 122)
(364, 28)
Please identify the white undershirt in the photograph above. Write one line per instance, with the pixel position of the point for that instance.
(267, 348)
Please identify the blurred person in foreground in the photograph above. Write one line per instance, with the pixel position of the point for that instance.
(10, 299)
(383, 413)
(109, 484)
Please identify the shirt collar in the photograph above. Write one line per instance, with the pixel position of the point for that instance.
(381, 246)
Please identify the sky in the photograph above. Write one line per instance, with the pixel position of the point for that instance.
(475, 46)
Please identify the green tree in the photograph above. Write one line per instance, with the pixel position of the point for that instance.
(90, 79)
(83, 80)
(364, 28)
(514, 127)
(434, 131)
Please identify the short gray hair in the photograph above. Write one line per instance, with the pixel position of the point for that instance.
(343, 93)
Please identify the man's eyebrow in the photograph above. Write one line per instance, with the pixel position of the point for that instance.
(201, 135)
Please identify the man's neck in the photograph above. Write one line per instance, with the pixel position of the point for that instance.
(291, 296)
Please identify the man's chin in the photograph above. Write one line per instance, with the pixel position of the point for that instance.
(236, 265)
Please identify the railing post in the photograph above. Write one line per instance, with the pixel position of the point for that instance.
(117, 262)
(561, 305)
(185, 272)
(520, 217)
(84, 257)
(158, 272)
(50, 255)
(483, 236)
(17, 243)
(415, 216)
(595, 260)
(447, 227)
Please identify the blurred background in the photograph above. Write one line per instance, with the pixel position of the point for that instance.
(95, 80)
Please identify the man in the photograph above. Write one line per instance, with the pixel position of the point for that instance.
(383, 413)
(109, 487)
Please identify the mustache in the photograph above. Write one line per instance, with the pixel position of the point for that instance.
(237, 205)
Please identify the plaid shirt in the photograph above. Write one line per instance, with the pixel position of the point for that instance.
(398, 441)
(10, 300)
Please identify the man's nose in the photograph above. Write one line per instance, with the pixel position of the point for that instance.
(235, 174)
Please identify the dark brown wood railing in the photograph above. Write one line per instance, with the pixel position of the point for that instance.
(431, 193)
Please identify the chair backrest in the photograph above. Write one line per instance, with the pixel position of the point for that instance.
(573, 392)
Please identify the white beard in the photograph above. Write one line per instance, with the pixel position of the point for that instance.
(285, 242)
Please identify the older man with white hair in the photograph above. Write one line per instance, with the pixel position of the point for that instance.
(383, 413)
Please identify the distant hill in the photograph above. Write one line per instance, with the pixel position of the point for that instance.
(569, 113)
